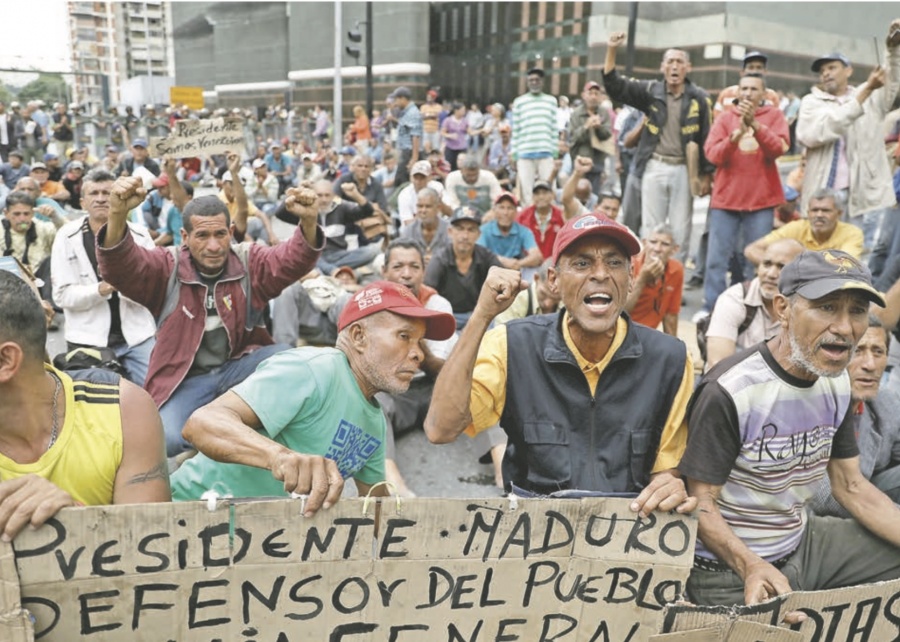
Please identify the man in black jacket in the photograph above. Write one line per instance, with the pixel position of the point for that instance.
(679, 113)
(139, 157)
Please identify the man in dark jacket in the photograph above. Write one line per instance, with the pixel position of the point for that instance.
(679, 113)
(208, 297)
(590, 132)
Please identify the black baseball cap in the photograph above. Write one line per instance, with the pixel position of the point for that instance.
(814, 275)
(756, 55)
(466, 213)
(541, 185)
(834, 55)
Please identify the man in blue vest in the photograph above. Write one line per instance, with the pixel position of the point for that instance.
(589, 399)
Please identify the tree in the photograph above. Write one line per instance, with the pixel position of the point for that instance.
(47, 87)
(6, 96)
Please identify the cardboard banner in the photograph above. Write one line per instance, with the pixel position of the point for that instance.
(868, 612)
(194, 138)
(536, 570)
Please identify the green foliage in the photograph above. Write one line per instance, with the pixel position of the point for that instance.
(6, 96)
(47, 87)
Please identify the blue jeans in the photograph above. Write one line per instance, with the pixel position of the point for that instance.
(729, 233)
(135, 360)
(333, 259)
(198, 391)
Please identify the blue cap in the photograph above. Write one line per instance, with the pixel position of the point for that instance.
(349, 150)
(139, 142)
(790, 194)
(834, 55)
(49, 157)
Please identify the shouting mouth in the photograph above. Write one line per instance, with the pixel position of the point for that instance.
(598, 303)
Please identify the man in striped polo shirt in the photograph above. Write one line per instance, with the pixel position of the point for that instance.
(535, 137)
(764, 427)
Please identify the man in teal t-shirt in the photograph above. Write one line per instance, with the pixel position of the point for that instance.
(307, 418)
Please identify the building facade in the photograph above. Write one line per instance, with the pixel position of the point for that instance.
(115, 41)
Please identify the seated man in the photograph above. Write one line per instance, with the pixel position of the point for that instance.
(407, 199)
(307, 312)
(429, 229)
(67, 439)
(822, 229)
(470, 185)
(97, 314)
(248, 218)
(263, 188)
(876, 417)
(45, 209)
(743, 315)
(764, 426)
(512, 242)
(28, 240)
(50, 189)
(207, 296)
(566, 430)
(307, 419)
(542, 217)
(458, 270)
(404, 263)
(656, 296)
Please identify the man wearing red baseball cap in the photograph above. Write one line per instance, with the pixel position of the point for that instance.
(306, 419)
(512, 242)
(589, 400)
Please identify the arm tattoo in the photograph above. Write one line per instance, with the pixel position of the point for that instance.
(160, 471)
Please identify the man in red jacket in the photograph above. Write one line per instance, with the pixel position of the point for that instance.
(208, 296)
(744, 143)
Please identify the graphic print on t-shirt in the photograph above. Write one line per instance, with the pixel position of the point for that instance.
(351, 448)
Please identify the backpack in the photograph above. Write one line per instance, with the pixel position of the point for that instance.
(703, 324)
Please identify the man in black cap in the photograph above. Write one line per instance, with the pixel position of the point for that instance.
(535, 136)
(764, 426)
(755, 62)
(458, 270)
(409, 133)
(835, 125)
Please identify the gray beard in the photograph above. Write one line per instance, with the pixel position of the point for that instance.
(382, 383)
(800, 359)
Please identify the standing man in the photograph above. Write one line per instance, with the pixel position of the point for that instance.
(656, 296)
(755, 62)
(97, 315)
(744, 144)
(307, 419)
(835, 125)
(764, 427)
(63, 132)
(207, 296)
(535, 137)
(409, 133)
(458, 271)
(590, 133)
(7, 133)
(590, 400)
(678, 112)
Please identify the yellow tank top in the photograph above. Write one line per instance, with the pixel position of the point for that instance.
(86, 456)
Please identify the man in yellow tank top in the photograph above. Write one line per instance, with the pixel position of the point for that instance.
(87, 439)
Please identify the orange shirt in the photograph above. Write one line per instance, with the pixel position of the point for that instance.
(430, 117)
(49, 188)
(660, 298)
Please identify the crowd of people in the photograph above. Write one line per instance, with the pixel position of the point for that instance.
(517, 276)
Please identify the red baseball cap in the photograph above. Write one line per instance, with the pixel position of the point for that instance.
(595, 225)
(507, 195)
(592, 84)
(399, 299)
(161, 181)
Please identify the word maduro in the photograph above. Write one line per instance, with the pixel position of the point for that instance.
(542, 570)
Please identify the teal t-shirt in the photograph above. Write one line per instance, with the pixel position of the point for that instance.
(307, 399)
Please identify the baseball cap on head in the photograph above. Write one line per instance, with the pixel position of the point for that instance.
(38, 165)
(466, 213)
(814, 275)
(139, 142)
(401, 92)
(591, 84)
(834, 55)
(393, 297)
(539, 185)
(258, 162)
(756, 55)
(421, 168)
(508, 196)
(594, 225)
